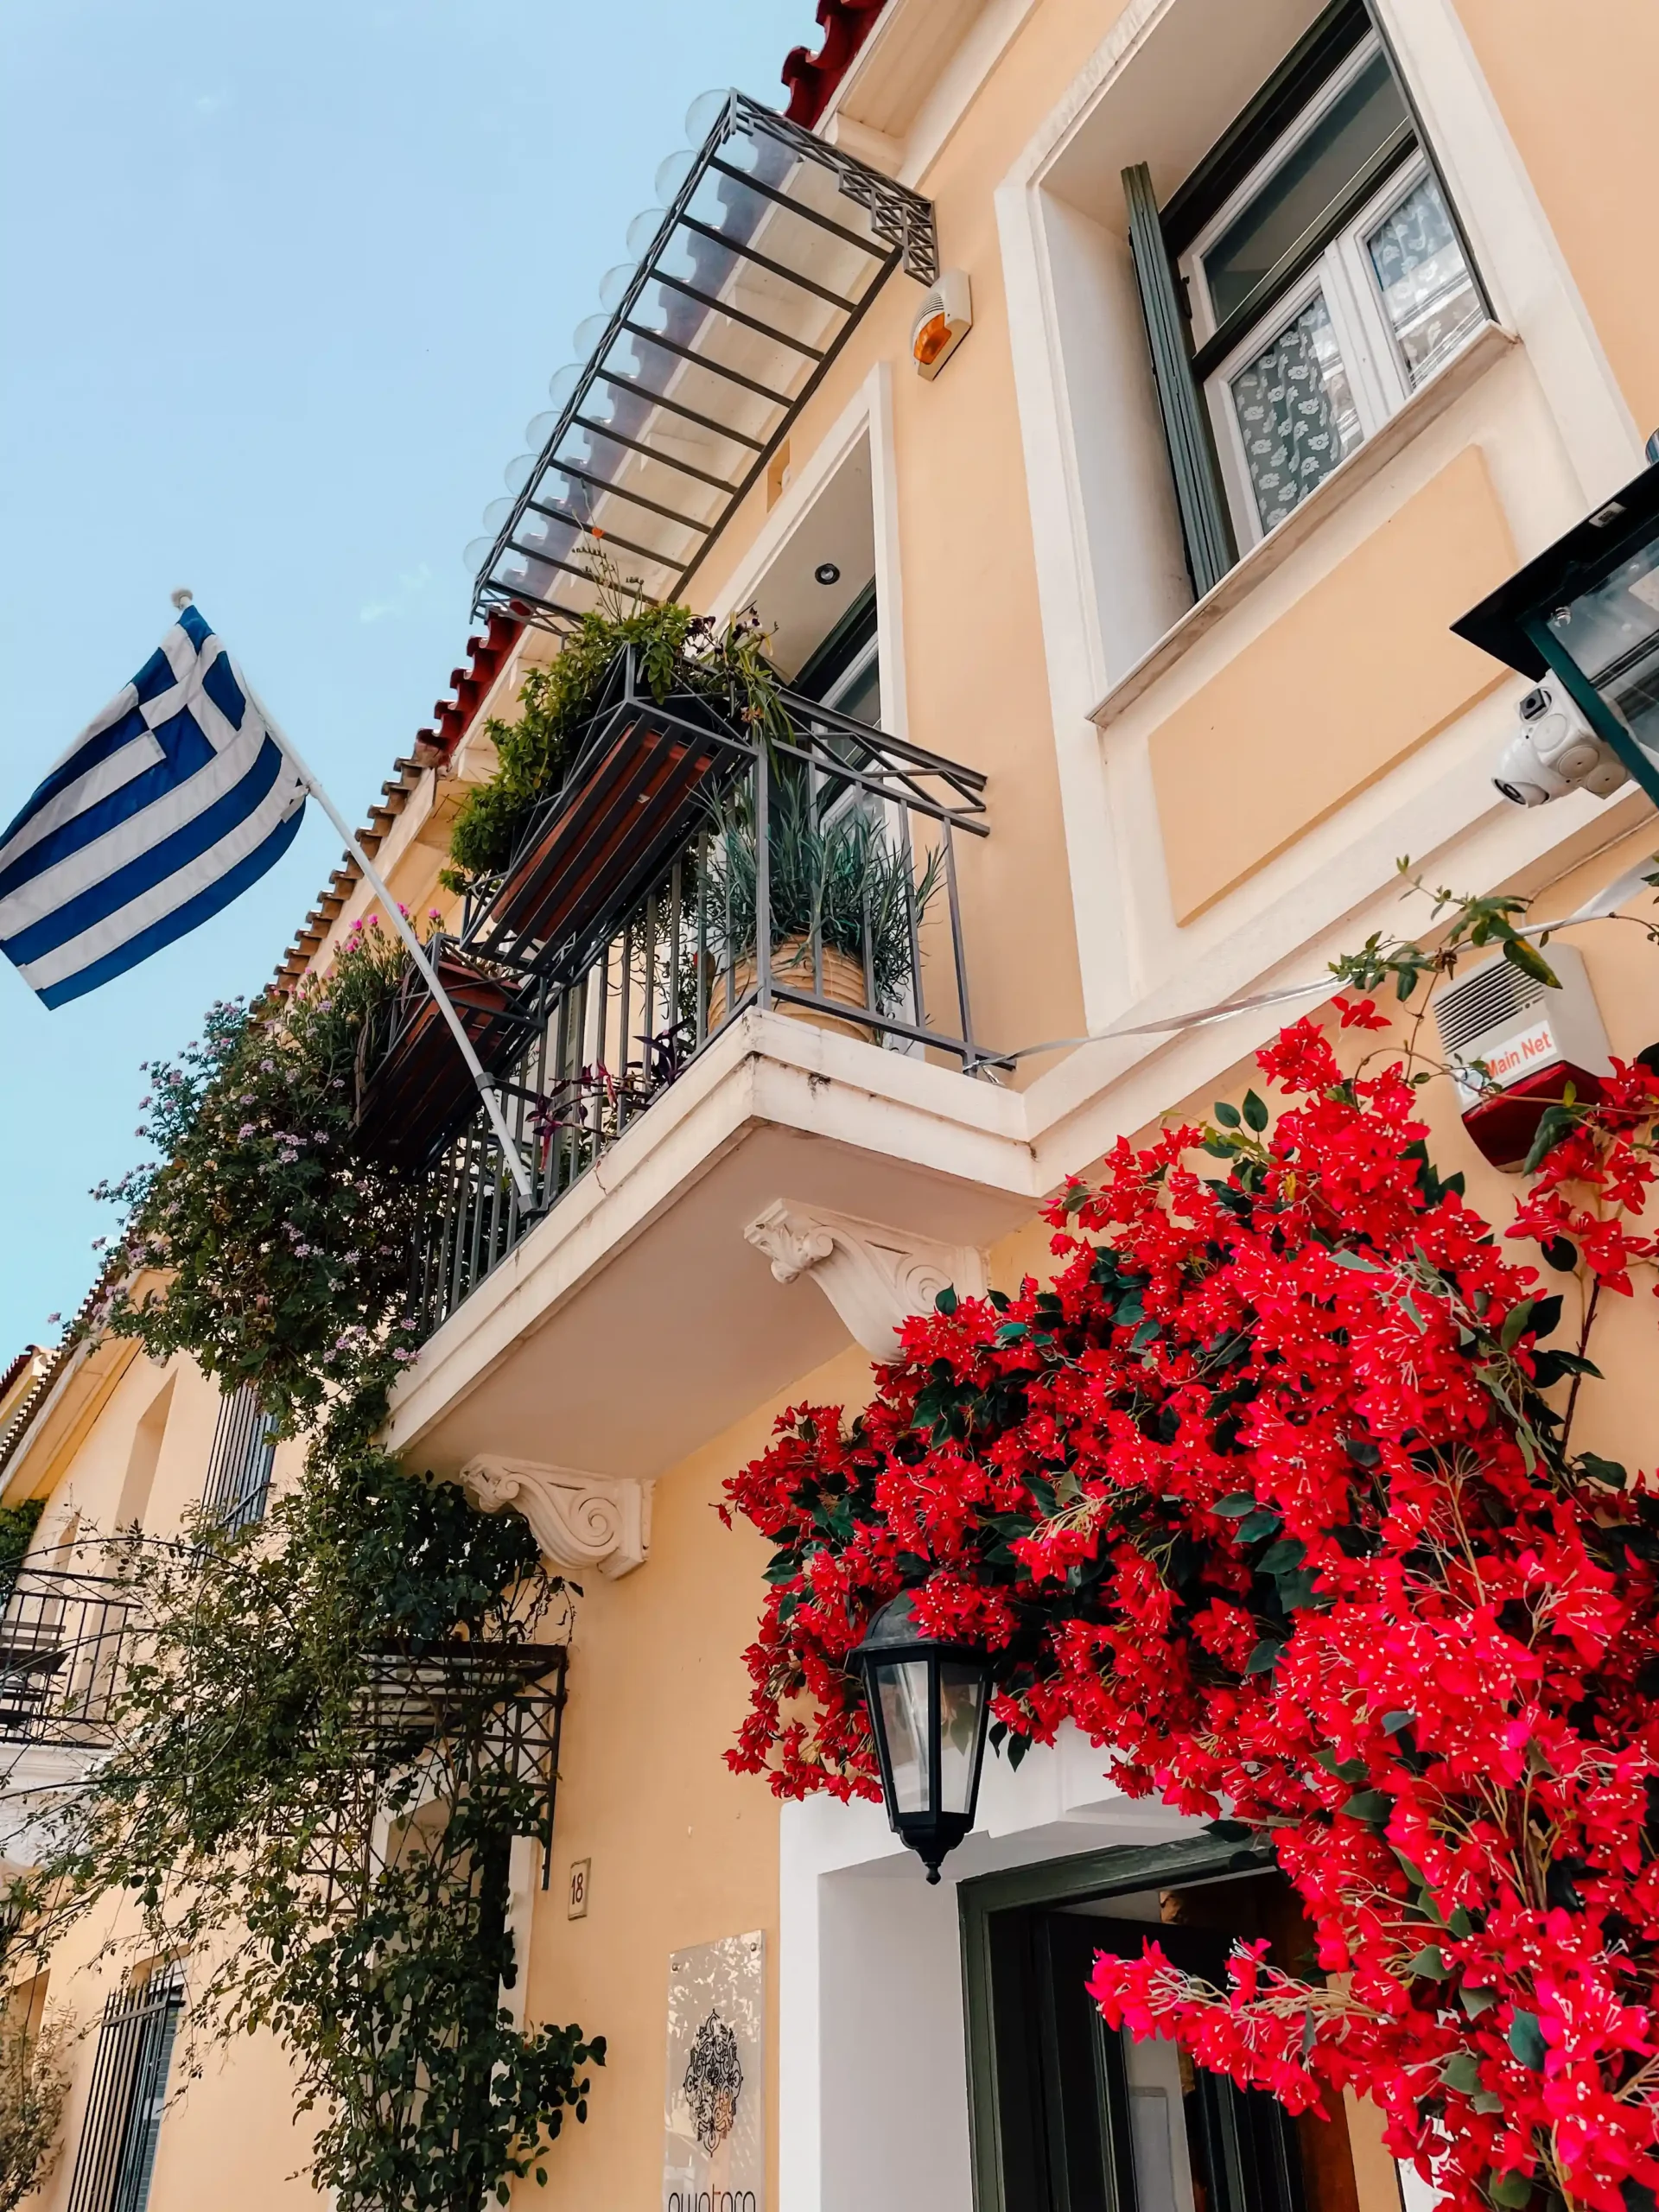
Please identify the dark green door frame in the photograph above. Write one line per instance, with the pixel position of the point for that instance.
(1090, 1874)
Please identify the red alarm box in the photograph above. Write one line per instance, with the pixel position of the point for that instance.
(1515, 1045)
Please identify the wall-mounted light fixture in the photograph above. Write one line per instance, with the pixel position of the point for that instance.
(942, 321)
(929, 1702)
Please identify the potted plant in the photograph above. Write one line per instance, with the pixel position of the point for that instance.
(845, 903)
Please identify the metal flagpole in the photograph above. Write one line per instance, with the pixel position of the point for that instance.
(399, 920)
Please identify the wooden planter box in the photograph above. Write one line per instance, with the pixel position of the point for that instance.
(605, 831)
(419, 1091)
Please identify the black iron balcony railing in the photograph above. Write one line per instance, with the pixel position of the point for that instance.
(65, 1636)
(623, 941)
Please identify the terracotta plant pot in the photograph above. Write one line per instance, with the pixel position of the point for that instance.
(792, 969)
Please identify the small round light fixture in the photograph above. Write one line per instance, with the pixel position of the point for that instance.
(827, 573)
(928, 1702)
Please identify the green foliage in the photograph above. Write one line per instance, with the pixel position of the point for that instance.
(1475, 924)
(285, 1250)
(257, 1759)
(17, 1526)
(34, 2083)
(831, 869)
(676, 649)
(287, 1801)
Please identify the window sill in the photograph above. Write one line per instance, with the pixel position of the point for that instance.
(1418, 411)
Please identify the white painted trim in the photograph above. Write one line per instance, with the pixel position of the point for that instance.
(948, 82)
(1516, 251)
(1127, 941)
(765, 1069)
(1067, 598)
(866, 419)
(959, 83)
(580, 1521)
(1425, 406)
(877, 1278)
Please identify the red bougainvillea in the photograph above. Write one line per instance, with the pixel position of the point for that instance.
(1272, 1493)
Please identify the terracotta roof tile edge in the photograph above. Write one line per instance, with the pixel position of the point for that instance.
(812, 77)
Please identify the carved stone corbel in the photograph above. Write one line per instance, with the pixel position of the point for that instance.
(580, 1521)
(875, 1277)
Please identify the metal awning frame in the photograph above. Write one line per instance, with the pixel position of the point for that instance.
(904, 237)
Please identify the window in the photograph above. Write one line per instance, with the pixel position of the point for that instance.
(845, 670)
(117, 2156)
(1319, 278)
(239, 1467)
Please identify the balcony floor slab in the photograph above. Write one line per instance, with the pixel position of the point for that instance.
(634, 1322)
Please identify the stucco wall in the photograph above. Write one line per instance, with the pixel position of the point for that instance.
(682, 1851)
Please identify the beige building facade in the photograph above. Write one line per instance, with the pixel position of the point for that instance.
(1292, 333)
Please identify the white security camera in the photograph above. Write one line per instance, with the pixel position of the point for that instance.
(1555, 751)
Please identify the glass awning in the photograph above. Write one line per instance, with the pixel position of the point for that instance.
(773, 245)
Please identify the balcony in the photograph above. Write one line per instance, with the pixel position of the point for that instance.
(621, 946)
(64, 1635)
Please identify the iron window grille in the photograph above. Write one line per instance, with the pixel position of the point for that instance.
(771, 250)
(116, 2158)
(65, 1636)
(237, 1488)
(616, 920)
(439, 1724)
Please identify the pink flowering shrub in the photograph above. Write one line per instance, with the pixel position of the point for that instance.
(1272, 1493)
(282, 1248)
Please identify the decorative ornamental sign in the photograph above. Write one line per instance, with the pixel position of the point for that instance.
(714, 2108)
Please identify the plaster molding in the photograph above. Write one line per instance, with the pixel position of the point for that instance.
(580, 1521)
(875, 1277)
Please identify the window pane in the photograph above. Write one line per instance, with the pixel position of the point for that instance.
(962, 1695)
(1305, 187)
(1428, 292)
(1296, 413)
(902, 1689)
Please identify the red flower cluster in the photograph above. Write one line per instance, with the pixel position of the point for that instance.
(1270, 1493)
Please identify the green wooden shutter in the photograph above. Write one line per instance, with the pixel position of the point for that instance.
(1205, 522)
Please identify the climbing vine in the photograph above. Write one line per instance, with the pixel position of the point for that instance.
(308, 1792)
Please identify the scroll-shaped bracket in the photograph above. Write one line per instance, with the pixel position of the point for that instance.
(580, 1521)
(875, 1277)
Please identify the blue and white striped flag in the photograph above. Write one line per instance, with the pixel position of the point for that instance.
(163, 810)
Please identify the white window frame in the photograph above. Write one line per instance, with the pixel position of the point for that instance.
(1353, 298)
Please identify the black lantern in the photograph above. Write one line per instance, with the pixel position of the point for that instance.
(929, 1705)
(1586, 610)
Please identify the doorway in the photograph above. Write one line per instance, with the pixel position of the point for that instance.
(1069, 2116)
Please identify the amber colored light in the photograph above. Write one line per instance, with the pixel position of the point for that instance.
(931, 340)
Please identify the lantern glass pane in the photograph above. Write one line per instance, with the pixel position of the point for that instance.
(902, 1689)
(962, 1703)
(1612, 633)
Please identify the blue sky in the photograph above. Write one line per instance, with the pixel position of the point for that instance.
(284, 287)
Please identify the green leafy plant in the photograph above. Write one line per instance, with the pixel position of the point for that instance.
(34, 2083)
(17, 1526)
(675, 650)
(283, 1248)
(306, 1791)
(831, 871)
(266, 1745)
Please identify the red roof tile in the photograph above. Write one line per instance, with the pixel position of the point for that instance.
(812, 77)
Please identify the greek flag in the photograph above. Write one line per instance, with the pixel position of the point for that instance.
(163, 810)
